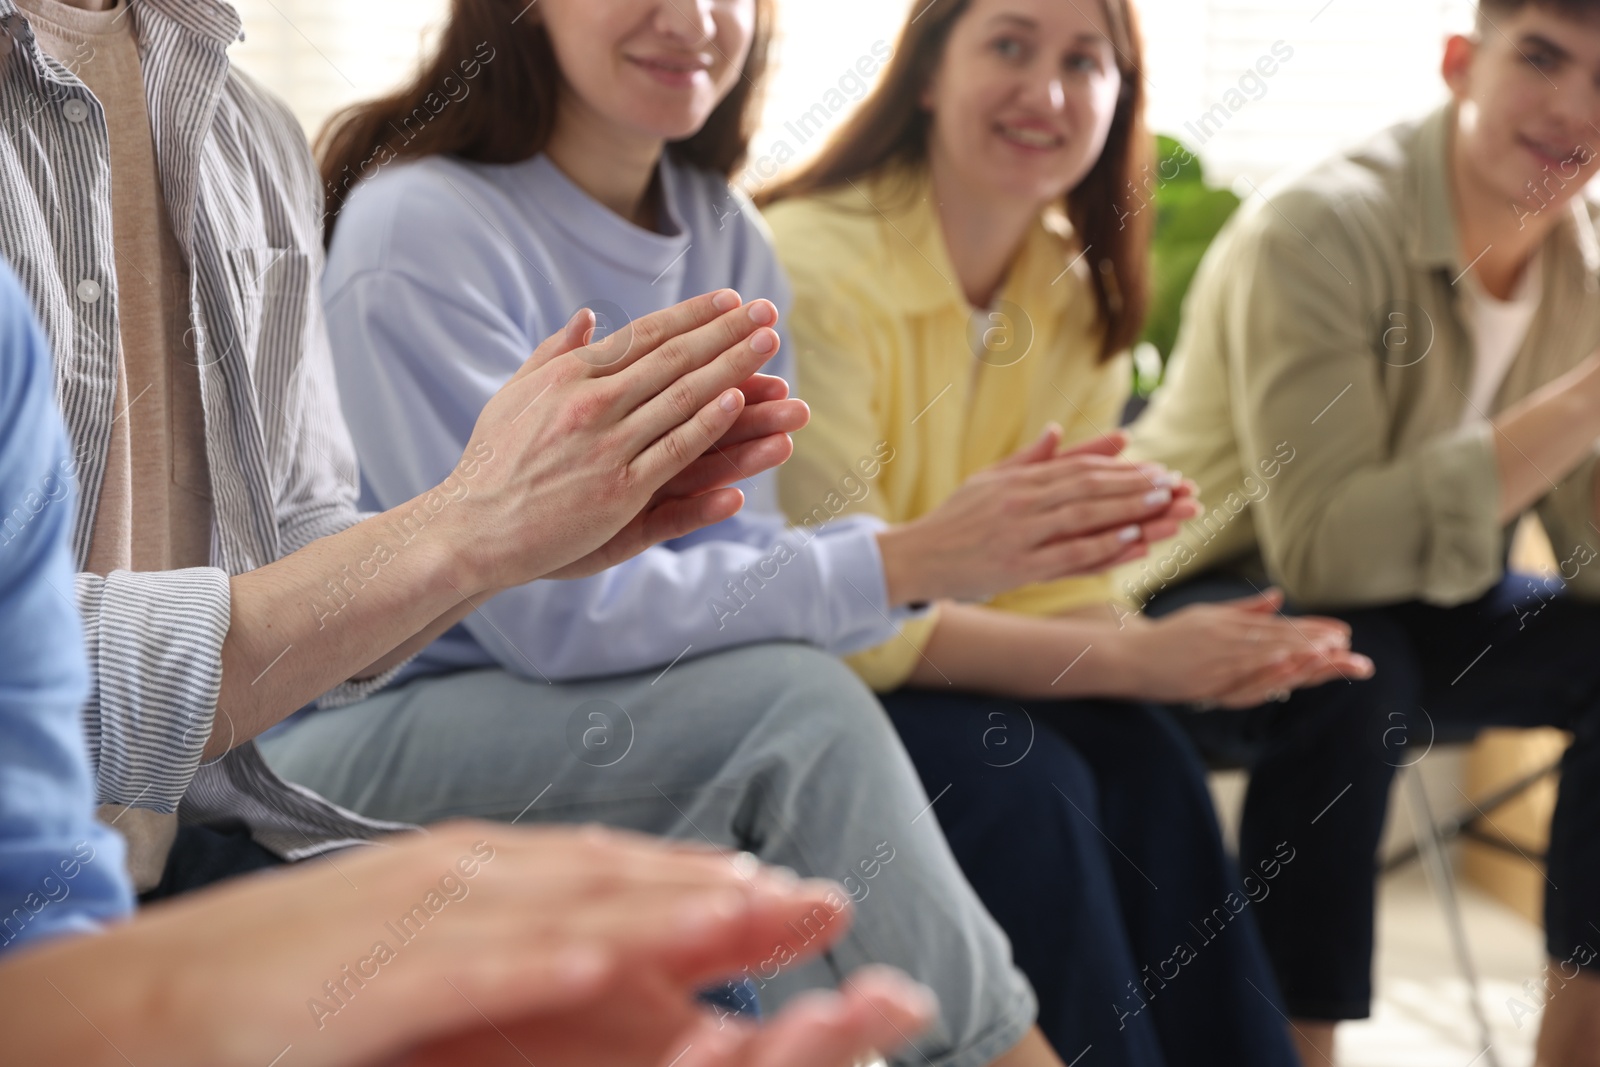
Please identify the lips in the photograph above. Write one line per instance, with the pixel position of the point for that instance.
(672, 70)
(1553, 153)
(1033, 138)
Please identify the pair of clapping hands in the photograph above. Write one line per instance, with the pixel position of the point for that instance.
(614, 446)
(638, 438)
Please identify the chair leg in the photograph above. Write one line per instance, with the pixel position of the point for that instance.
(1442, 879)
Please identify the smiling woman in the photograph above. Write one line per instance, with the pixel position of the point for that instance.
(695, 99)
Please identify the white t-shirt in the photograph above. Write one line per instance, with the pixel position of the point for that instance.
(1498, 329)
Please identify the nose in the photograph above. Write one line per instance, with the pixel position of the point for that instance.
(689, 21)
(1048, 92)
(1057, 94)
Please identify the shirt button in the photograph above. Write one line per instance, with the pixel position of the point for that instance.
(75, 110)
(89, 290)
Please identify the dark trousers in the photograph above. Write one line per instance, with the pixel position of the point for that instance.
(1087, 830)
(204, 855)
(1322, 763)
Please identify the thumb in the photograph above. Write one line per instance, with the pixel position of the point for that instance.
(1042, 449)
(571, 337)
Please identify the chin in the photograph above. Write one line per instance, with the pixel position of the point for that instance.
(676, 127)
(1040, 193)
(1520, 183)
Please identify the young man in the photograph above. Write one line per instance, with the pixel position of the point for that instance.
(164, 216)
(1384, 364)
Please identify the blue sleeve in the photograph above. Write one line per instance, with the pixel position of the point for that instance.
(419, 352)
(60, 870)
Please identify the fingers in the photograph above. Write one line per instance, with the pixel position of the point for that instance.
(700, 355)
(571, 337)
(794, 924)
(1041, 449)
(1074, 478)
(1169, 522)
(1256, 689)
(1267, 602)
(877, 1011)
(644, 335)
(677, 516)
(758, 441)
(724, 466)
(1078, 517)
(1110, 444)
(763, 388)
(765, 419)
(1084, 554)
(1301, 671)
(683, 442)
(528, 982)
(874, 1012)
(1339, 664)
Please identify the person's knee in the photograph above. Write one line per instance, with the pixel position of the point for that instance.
(1139, 747)
(797, 691)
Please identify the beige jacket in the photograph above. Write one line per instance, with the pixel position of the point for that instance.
(1319, 384)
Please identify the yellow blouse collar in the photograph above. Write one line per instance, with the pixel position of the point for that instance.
(903, 202)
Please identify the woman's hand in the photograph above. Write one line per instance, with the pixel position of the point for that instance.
(1034, 517)
(570, 455)
(1236, 654)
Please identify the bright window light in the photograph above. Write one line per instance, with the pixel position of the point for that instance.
(1340, 69)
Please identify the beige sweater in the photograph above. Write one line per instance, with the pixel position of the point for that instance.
(154, 509)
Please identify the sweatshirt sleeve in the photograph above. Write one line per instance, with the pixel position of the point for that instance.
(430, 347)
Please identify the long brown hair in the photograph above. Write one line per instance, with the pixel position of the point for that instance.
(891, 128)
(505, 72)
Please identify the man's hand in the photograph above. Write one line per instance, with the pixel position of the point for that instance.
(757, 442)
(573, 450)
(590, 453)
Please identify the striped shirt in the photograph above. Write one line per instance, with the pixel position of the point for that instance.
(245, 203)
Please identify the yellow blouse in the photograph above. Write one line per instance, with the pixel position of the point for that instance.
(911, 389)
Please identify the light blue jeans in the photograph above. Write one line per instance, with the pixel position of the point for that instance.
(777, 749)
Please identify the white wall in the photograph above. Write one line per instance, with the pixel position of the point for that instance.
(1355, 66)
